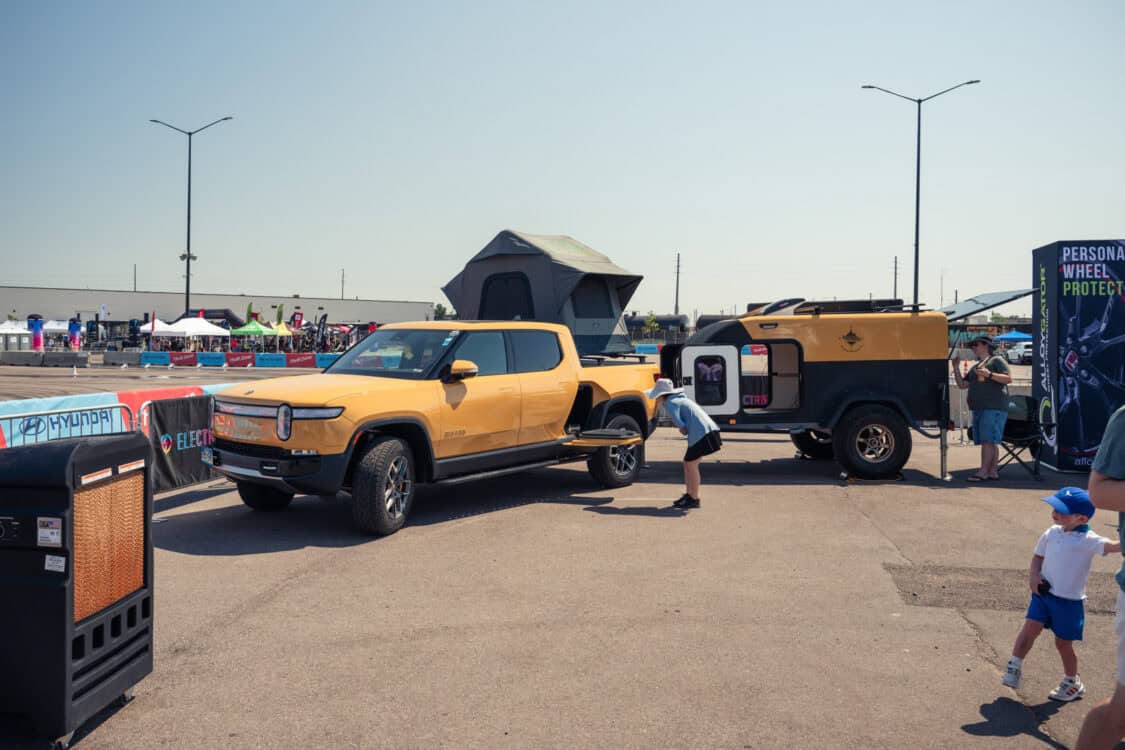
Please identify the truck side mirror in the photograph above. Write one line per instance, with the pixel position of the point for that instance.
(460, 369)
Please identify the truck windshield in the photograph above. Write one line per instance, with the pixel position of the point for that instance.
(396, 353)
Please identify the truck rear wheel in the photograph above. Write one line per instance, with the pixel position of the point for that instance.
(618, 467)
(383, 486)
(261, 497)
(814, 444)
(872, 442)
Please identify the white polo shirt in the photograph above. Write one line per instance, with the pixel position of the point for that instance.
(1067, 556)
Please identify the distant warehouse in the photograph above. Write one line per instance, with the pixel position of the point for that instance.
(117, 306)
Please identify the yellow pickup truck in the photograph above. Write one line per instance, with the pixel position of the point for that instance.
(434, 402)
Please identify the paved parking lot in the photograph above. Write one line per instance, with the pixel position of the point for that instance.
(792, 610)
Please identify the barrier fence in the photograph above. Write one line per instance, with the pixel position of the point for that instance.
(222, 359)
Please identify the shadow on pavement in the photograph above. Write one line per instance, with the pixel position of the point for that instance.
(17, 733)
(1005, 717)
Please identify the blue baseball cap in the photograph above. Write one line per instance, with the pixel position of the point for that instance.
(1071, 500)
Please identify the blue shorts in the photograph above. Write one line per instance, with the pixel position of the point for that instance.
(988, 426)
(1065, 617)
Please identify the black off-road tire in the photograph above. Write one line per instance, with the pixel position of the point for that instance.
(618, 467)
(814, 444)
(261, 497)
(872, 442)
(383, 486)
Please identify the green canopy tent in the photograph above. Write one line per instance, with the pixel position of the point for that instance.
(253, 328)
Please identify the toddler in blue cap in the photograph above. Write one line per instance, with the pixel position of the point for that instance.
(1059, 570)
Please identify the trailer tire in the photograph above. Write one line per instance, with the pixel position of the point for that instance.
(263, 498)
(618, 467)
(383, 486)
(872, 442)
(814, 444)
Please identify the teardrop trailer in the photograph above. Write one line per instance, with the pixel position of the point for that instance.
(850, 386)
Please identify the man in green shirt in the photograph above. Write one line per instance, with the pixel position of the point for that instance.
(987, 382)
(1105, 724)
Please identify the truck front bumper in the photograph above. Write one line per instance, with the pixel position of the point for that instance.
(310, 475)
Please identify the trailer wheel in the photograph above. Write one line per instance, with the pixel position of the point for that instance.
(872, 442)
(383, 486)
(261, 497)
(814, 444)
(618, 467)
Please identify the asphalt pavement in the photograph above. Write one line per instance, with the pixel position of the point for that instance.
(793, 610)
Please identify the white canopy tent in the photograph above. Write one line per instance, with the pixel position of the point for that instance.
(13, 326)
(56, 326)
(192, 327)
(156, 327)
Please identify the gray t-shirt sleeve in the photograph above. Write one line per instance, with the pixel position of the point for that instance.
(1111, 453)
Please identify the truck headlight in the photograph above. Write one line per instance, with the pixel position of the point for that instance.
(284, 421)
(317, 413)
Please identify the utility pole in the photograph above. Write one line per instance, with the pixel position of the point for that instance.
(676, 307)
(895, 294)
(134, 277)
(341, 283)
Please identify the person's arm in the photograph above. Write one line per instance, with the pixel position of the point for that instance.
(1110, 547)
(1035, 574)
(1107, 493)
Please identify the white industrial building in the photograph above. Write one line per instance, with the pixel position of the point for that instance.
(121, 306)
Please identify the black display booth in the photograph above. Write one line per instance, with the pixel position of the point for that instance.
(1079, 328)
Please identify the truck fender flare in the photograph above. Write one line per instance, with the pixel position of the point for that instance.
(414, 432)
(634, 406)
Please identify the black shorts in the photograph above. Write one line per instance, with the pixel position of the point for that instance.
(708, 444)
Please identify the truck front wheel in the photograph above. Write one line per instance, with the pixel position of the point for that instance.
(618, 467)
(261, 497)
(383, 486)
(872, 442)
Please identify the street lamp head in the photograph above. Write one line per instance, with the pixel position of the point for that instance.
(969, 82)
(864, 86)
(231, 118)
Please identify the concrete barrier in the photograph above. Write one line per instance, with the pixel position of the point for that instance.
(66, 359)
(323, 360)
(117, 359)
(32, 359)
(268, 359)
(155, 358)
(211, 359)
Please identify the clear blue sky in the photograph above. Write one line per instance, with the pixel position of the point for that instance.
(395, 139)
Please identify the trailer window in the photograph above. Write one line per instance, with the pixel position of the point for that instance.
(710, 380)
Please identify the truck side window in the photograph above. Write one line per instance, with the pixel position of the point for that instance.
(487, 350)
(535, 351)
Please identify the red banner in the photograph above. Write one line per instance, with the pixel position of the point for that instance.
(183, 359)
(240, 359)
(300, 359)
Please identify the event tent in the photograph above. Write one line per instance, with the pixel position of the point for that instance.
(253, 328)
(13, 326)
(1014, 336)
(193, 327)
(282, 330)
(557, 279)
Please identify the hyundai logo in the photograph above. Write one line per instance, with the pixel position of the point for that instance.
(32, 426)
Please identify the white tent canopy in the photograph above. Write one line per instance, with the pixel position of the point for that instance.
(192, 327)
(13, 326)
(56, 326)
(155, 326)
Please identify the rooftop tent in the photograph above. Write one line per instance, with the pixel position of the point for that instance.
(555, 279)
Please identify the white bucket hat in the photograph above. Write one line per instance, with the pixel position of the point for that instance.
(663, 387)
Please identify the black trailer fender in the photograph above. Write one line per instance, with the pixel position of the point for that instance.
(631, 405)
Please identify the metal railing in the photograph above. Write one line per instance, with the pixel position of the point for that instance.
(31, 428)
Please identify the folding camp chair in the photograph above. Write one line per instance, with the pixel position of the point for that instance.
(1023, 435)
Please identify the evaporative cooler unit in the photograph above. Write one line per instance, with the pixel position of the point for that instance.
(75, 577)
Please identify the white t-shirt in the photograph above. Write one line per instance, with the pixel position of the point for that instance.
(1067, 556)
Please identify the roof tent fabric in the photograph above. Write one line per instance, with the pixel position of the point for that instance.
(552, 278)
(982, 302)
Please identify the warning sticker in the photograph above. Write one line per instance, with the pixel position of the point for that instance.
(50, 532)
(131, 466)
(95, 476)
(55, 564)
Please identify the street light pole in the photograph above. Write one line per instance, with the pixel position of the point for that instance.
(918, 164)
(187, 256)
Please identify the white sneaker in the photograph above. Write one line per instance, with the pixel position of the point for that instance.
(1068, 690)
(1011, 678)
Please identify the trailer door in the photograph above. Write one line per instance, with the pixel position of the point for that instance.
(710, 378)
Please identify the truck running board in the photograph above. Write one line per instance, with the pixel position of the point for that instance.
(499, 472)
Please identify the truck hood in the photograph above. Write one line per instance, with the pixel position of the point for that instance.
(324, 389)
